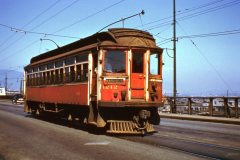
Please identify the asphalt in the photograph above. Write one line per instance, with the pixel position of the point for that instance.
(225, 120)
(235, 121)
(27, 138)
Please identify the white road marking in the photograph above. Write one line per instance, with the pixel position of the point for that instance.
(97, 143)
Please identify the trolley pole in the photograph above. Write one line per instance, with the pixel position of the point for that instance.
(174, 58)
(41, 39)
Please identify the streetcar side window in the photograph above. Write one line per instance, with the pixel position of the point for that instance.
(50, 66)
(33, 79)
(37, 76)
(35, 69)
(70, 60)
(82, 72)
(40, 78)
(72, 74)
(81, 58)
(42, 67)
(59, 64)
(79, 72)
(56, 79)
(28, 80)
(61, 75)
(43, 78)
(85, 72)
(155, 64)
(48, 77)
(67, 74)
(52, 77)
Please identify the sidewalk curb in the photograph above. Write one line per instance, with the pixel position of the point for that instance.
(235, 121)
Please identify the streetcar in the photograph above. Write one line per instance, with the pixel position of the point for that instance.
(111, 79)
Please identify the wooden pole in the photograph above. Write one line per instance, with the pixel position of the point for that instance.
(226, 108)
(236, 108)
(190, 106)
(174, 58)
(211, 106)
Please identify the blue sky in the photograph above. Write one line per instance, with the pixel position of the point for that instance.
(205, 66)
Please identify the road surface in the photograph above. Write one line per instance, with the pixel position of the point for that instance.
(25, 138)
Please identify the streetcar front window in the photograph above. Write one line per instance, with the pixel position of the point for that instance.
(115, 61)
(154, 64)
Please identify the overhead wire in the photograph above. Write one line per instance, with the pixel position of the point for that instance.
(43, 22)
(206, 59)
(203, 35)
(57, 13)
(38, 33)
(213, 34)
(184, 12)
(53, 34)
(192, 15)
(32, 20)
(89, 16)
(229, 4)
(24, 48)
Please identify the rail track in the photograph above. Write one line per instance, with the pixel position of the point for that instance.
(210, 141)
(206, 144)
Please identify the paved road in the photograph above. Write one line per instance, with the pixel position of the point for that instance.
(215, 140)
(26, 138)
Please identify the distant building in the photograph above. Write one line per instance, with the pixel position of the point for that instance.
(2, 91)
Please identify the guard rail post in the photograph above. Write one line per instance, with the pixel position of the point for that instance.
(226, 108)
(210, 106)
(189, 106)
(236, 108)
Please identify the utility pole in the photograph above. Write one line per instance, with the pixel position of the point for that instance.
(21, 86)
(174, 58)
(6, 83)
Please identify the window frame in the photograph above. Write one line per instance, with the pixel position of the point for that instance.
(54, 72)
(125, 61)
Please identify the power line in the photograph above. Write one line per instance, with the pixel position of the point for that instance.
(223, 33)
(184, 12)
(209, 10)
(48, 34)
(60, 29)
(229, 4)
(17, 30)
(29, 45)
(89, 16)
(41, 24)
(52, 34)
(33, 19)
(57, 13)
(203, 35)
(47, 9)
(164, 42)
(206, 59)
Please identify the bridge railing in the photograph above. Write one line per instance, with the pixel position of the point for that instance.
(208, 106)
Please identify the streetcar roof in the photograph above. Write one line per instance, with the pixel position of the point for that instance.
(115, 37)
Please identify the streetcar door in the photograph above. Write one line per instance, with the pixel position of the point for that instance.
(137, 75)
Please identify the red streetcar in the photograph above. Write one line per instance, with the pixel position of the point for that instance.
(111, 79)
